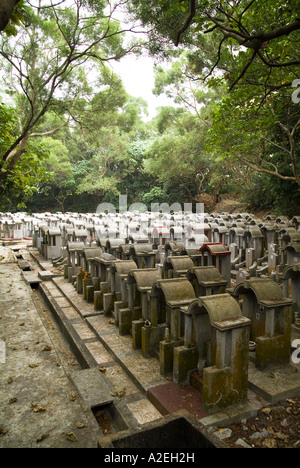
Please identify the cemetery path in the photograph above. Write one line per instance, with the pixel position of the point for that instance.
(46, 393)
(40, 406)
(49, 393)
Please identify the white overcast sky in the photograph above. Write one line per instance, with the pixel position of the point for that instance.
(137, 73)
(138, 78)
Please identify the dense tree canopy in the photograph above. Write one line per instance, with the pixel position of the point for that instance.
(9, 13)
(71, 137)
(46, 65)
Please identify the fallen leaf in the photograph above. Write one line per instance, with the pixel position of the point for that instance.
(266, 410)
(80, 425)
(71, 436)
(34, 365)
(47, 348)
(119, 394)
(270, 443)
(292, 402)
(39, 409)
(42, 437)
(281, 436)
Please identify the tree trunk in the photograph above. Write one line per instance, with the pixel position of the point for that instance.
(13, 158)
(6, 10)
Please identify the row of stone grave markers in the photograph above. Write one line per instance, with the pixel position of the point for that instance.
(194, 301)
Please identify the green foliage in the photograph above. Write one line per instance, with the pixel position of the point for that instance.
(276, 196)
(8, 122)
(16, 20)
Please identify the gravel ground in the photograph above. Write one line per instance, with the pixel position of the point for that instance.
(276, 426)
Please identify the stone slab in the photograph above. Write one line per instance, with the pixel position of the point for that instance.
(275, 384)
(143, 412)
(145, 373)
(230, 415)
(170, 398)
(94, 388)
(31, 277)
(47, 275)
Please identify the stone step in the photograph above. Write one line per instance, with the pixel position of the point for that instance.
(107, 355)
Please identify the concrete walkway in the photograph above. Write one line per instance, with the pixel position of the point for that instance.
(40, 406)
(52, 391)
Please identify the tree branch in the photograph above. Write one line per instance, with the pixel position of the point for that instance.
(6, 10)
(258, 168)
(244, 70)
(187, 23)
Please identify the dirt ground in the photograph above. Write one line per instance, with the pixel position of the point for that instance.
(276, 426)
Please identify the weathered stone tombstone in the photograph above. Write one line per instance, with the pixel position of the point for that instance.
(196, 255)
(206, 281)
(270, 233)
(221, 235)
(177, 267)
(112, 246)
(292, 253)
(103, 266)
(174, 248)
(143, 254)
(80, 235)
(242, 276)
(254, 240)
(218, 256)
(160, 235)
(74, 252)
(89, 255)
(177, 233)
(236, 236)
(216, 339)
(89, 266)
(291, 286)
(124, 251)
(118, 297)
(234, 255)
(52, 243)
(139, 284)
(296, 222)
(15, 229)
(273, 258)
(250, 257)
(271, 317)
(166, 298)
